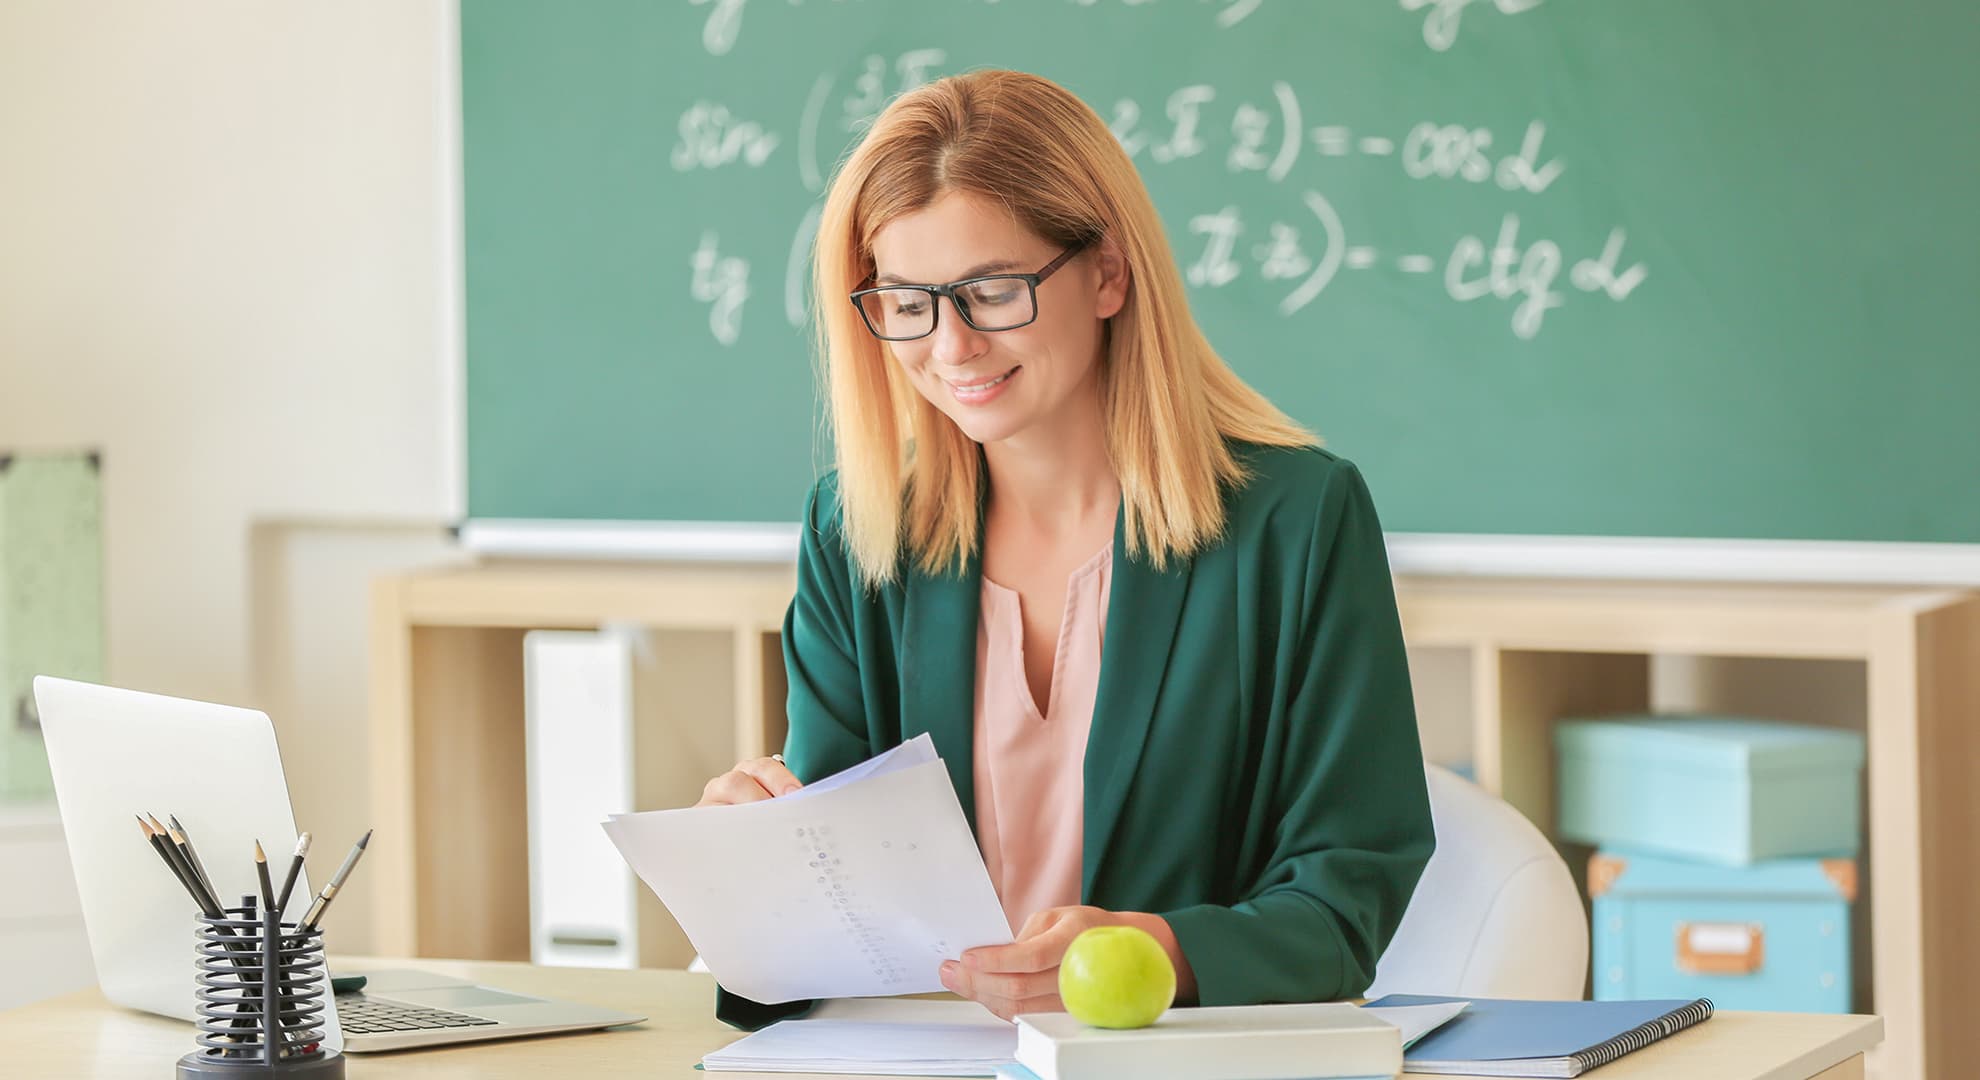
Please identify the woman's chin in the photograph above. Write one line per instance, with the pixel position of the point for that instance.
(986, 425)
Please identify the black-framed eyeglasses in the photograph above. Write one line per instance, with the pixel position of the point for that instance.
(989, 303)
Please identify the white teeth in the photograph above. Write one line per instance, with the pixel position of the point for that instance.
(979, 387)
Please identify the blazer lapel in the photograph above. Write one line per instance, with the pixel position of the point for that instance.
(1142, 617)
(938, 671)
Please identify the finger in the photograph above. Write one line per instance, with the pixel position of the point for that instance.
(955, 978)
(1005, 995)
(1040, 945)
(1011, 1009)
(1043, 1003)
(1041, 921)
(984, 985)
(772, 774)
(732, 788)
(1040, 953)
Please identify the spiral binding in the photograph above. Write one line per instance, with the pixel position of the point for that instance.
(260, 990)
(1644, 1034)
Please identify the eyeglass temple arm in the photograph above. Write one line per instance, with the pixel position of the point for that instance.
(1064, 257)
(1049, 268)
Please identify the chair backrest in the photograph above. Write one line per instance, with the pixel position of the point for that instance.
(1496, 913)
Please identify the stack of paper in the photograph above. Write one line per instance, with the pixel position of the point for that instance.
(882, 1049)
(880, 1036)
(858, 885)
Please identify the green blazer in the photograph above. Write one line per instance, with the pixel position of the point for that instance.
(1252, 773)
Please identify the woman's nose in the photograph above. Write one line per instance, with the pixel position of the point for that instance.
(955, 341)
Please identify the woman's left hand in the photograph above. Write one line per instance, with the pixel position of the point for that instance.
(1023, 977)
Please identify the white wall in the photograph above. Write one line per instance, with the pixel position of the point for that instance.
(227, 247)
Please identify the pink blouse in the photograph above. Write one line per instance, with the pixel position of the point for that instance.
(1029, 768)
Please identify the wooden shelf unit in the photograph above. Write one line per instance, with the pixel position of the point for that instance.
(447, 732)
(1541, 650)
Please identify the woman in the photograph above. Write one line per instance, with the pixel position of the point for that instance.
(1147, 621)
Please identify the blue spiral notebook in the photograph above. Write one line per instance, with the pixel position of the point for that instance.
(1542, 1038)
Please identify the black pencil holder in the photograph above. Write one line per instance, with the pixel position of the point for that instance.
(261, 987)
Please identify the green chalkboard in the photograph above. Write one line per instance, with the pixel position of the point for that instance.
(1695, 268)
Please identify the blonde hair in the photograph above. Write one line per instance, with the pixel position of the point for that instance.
(907, 474)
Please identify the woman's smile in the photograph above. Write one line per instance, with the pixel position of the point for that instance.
(982, 391)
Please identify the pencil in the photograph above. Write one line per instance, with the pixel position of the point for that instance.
(329, 892)
(192, 856)
(295, 868)
(207, 903)
(165, 851)
(261, 872)
(158, 845)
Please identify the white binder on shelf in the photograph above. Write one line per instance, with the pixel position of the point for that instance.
(579, 716)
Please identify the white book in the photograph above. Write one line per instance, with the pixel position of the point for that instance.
(1250, 1042)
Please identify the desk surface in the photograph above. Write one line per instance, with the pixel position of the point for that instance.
(82, 1036)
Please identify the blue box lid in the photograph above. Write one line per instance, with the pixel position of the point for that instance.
(1627, 872)
(1697, 740)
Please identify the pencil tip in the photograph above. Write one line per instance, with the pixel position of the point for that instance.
(259, 855)
(367, 837)
(142, 824)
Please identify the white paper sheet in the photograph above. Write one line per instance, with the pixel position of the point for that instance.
(1416, 1021)
(851, 1046)
(857, 886)
(878, 1036)
(919, 750)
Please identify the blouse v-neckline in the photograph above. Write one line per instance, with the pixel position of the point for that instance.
(1000, 599)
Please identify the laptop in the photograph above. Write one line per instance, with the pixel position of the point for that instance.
(118, 753)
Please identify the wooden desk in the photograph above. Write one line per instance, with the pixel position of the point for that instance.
(447, 733)
(83, 1037)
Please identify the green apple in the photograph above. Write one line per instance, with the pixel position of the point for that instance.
(1116, 977)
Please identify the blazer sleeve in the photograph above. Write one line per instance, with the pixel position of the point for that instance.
(827, 730)
(826, 706)
(1349, 806)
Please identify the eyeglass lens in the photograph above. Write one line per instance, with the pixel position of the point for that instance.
(995, 303)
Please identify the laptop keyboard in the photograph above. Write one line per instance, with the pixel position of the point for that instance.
(358, 1014)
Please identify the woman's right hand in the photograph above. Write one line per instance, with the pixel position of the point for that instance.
(750, 781)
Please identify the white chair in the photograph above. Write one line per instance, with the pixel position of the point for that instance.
(1496, 913)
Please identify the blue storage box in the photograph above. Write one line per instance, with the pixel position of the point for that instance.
(1724, 790)
(1771, 937)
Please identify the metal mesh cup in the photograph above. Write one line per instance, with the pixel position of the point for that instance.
(261, 987)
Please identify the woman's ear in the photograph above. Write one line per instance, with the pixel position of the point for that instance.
(1114, 280)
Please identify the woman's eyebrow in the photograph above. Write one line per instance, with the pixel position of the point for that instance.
(980, 269)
